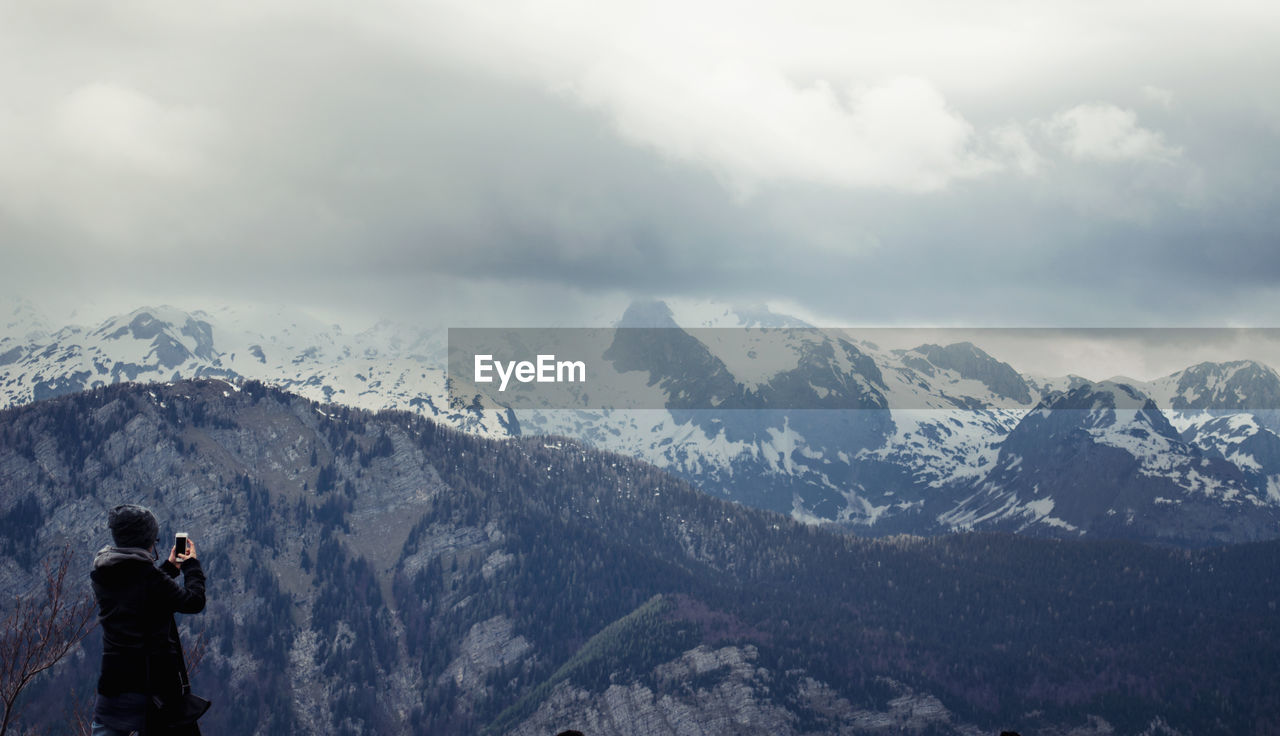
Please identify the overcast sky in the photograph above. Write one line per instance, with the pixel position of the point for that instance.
(1065, 164)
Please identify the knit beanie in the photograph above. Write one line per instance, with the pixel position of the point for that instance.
(133, 526)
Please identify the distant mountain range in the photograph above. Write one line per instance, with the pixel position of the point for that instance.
(384, 367)
(949, 437)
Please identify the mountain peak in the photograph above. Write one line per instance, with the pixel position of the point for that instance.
(648, 313)
(1095, 395)
(970, 361)
(23, 321)
(1240, 385)
(707, 313)
(760, 315)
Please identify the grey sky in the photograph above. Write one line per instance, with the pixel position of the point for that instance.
(973, 164)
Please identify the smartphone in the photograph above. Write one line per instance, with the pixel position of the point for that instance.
(180, 543)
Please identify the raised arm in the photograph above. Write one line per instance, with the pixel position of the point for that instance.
(188, 597)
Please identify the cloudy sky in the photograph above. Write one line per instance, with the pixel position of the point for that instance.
(1057, 163)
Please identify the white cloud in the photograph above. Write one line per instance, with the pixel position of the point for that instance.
(900, 96)
(1104, 132)
(1011, 140)
(754, 126)
(1158, 95)
(772, 92)
(122, 127)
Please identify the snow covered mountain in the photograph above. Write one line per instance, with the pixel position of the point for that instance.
(947, 437)
(913, 425)
(1102, 459)
(384, 367)
(1240, 385)
(927, 439)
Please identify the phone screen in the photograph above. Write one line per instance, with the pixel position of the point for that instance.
(180, 543)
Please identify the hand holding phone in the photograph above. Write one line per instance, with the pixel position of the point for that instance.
(183, 549)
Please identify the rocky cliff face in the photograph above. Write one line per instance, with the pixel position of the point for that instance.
(725, 692)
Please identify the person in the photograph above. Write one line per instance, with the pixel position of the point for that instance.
(141, 652)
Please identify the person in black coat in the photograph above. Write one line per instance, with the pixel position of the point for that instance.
(141, 653)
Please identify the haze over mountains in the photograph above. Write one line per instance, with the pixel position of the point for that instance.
(949, 438)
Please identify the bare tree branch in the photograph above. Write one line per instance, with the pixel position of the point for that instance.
(39, 632)
(81, 716)
(193, 651)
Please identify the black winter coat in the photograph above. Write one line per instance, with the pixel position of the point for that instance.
(136, 603)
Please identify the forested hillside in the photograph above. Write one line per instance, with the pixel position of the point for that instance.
(383, 574)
